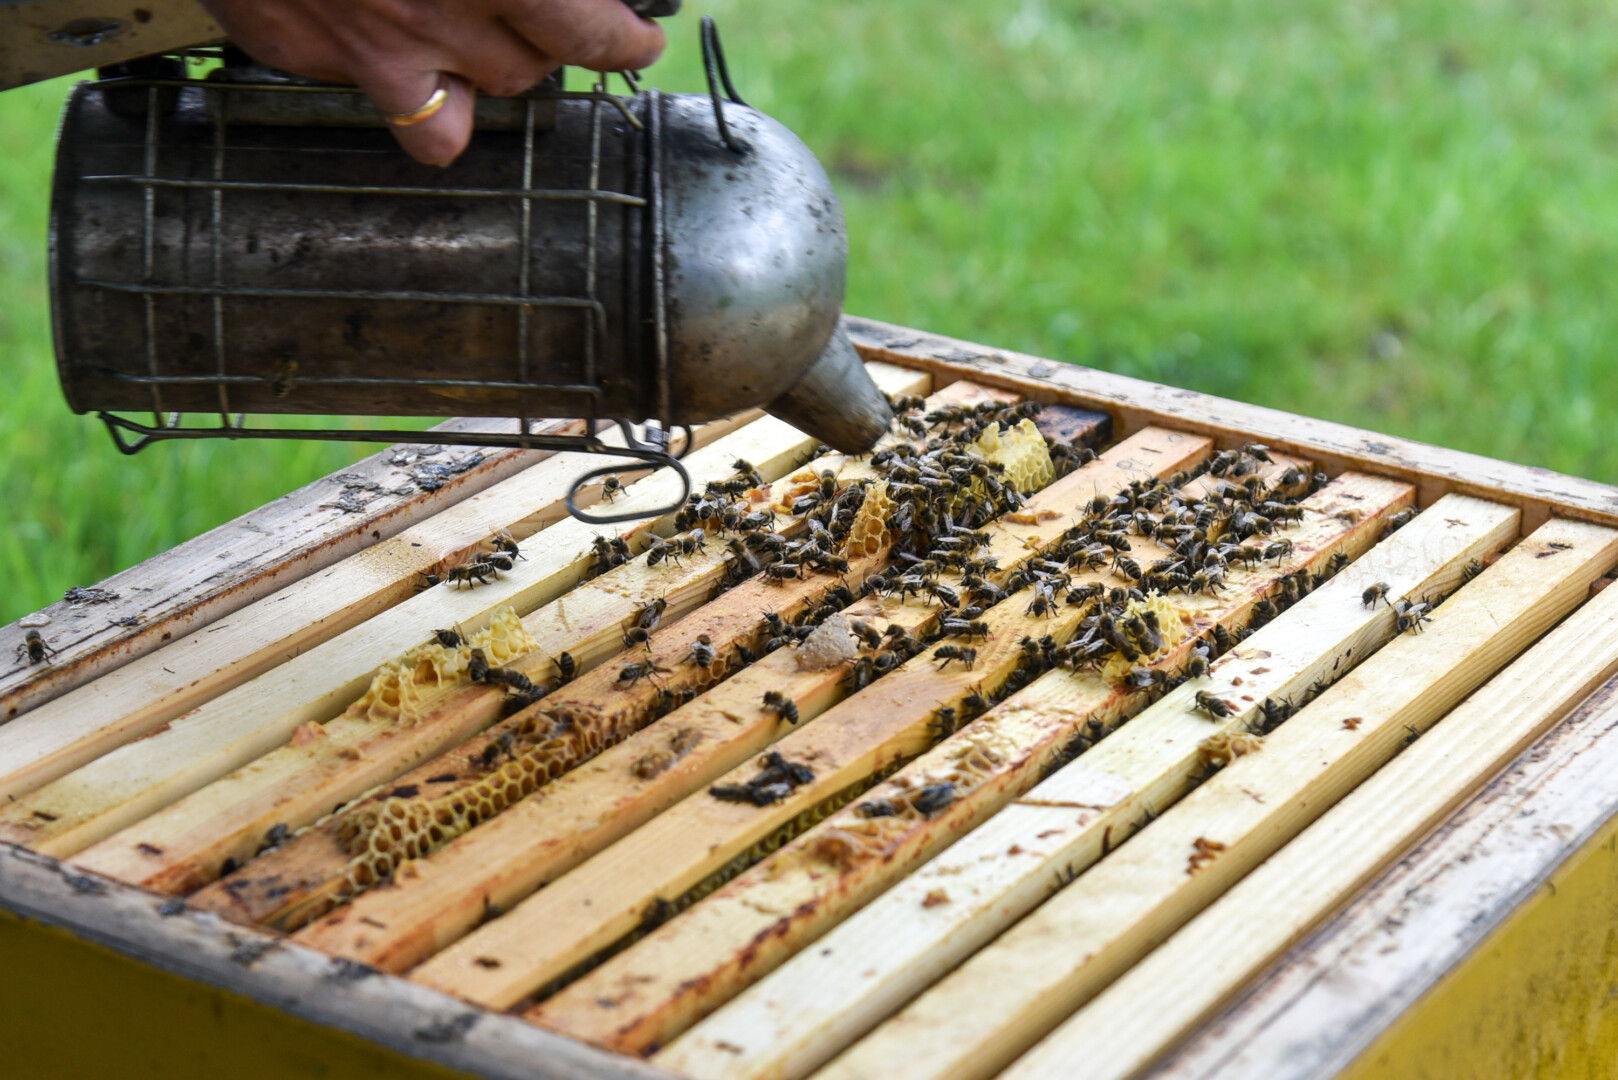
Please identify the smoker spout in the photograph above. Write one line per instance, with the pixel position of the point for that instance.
(836, 401)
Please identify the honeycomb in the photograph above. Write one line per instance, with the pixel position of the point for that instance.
(1022, 452)
(1170, 624)
(1224, 747)
(396, 694)
(379, 839)
(868, 535)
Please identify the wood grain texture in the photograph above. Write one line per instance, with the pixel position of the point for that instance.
(210, 576)
(183, 846)
(647, 995)
(134, 781)
(1301, 1024)
(578, 815)
(1089, 933)
(1133, 403)
(128, 702)
(882, 725)
(304, 878)
(1082, 811)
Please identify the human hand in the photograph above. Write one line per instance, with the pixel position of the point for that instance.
(400, 52)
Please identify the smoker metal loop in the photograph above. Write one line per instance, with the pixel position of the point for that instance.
(713, 65)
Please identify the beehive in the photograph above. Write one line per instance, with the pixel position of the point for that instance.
(1072, 826)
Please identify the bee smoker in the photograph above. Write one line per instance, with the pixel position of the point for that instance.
(250, 243)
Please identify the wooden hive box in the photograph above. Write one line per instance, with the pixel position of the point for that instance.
(1349, 812)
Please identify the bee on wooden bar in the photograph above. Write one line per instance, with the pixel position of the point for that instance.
(636, 635)
(1196, 667)
(450, 639)
(652, 614)
(34, 648)
(782, 572)
(610, 487)
(469, 574)
(1042, 606)
(518, 700)
(1409, 615)
(860, 674)
(630, 674)
(965, 628)
(477, 665)
(660, 549)
(1470, 571)
(945, 722)
(506, 544)
(511, 680)
(496, 562)
(934, 799)
(781, 705)
(1278, 550)
(566, 665)
(749, 473)
(946, 653)
(1211, 704)
(868, 635)
(742, 561)
(702, 651)
(774, 624)
(1378, 591)
(1400, 520)
(692, 542)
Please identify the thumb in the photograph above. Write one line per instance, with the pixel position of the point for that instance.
(435, 139)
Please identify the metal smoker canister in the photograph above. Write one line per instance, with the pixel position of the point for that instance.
(237, 246)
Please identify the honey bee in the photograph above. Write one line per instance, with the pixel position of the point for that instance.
(749, 473)
(1470, 571)
(34, 648)
(630, 674)
(566, 665)
(506, 544)
(782, 572)
(1409, 615)
(945, 722)
(860, 674)
(947, 653)
(659, 550)
(1378, 591)
(652, 614)
(702, 651)
(781, 705)
(934, 799)
(866, 633)
(1278, 550)
(477, 665)
(450, 639)
(692, 542)
(1400, 520)
(1207, 702)
(636, 635)
(965, 628)
(611, 486)
(469, 574)
(1041, 606)
(511, 680)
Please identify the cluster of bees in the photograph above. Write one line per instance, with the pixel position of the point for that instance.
(776, 779)
(498, 555)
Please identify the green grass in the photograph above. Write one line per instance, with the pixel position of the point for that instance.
(1399, 216)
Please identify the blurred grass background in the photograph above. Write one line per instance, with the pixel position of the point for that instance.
(1400, 216)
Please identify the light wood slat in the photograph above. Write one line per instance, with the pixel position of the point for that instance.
(210, 576)
(124, 704)
(183, 846)
(904, 946)
(1279, 902)
(579, 815)
(643, 997)
(647, 995)
(686, 844)
(1488, 943)
(1135, 403)
(304, 878)
(1088, 934)
(128, 784)
(444, 897)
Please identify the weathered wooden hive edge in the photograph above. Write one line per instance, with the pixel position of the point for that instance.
(252, 556)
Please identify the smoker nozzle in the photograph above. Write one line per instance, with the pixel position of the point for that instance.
(836, 401)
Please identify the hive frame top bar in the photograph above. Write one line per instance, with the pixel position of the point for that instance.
(412, 1019)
